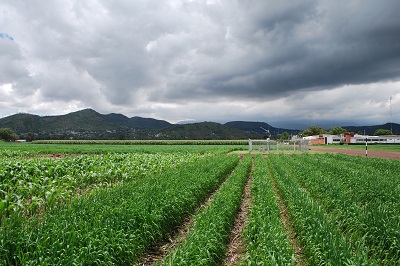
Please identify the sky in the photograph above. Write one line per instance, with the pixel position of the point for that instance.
(286, 63)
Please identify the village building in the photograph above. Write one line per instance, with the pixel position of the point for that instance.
(351, 138)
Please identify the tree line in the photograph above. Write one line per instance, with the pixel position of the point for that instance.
(7, 134)
(314, 130)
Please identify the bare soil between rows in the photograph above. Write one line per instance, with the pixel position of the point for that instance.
(236, 247)
(371, 153)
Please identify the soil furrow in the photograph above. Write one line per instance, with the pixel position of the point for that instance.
(236, 246)
(299, 258)
(161, 249)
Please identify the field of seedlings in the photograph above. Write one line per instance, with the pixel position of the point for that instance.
(102, 204)
(344, 209)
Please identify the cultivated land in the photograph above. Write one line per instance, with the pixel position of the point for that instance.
(102, 204)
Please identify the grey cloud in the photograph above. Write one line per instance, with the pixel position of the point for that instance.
(133, 53)
(348, 50)
(13, 66)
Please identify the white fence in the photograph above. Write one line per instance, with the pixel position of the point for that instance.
(267, 145)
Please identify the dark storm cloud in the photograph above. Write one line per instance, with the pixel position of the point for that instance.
(307, 46)
(131, 56)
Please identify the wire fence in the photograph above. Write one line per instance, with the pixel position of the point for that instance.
(265, 145)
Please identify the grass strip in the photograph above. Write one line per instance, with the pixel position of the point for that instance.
(206, 243)
(267, 241)
(112, 226)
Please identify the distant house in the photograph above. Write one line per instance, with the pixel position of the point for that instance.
(351, 138)
(323, 139)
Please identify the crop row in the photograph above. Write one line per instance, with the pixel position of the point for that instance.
(146, 142)
(365, 200)
(30, 185)
(322, 242)
(267, 240)
(207, 240)
(344, 209)
(27, 150)
(113, 225)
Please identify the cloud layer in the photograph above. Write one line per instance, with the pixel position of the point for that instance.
(213, 60)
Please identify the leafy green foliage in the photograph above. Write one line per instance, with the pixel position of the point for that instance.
(382, 132)
(314, 130)
(337, 130)
(7, 134)
(37, 183)
(285, 136)
(108, 207)
(113, 225)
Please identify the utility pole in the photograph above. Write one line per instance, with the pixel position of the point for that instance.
(391, 120)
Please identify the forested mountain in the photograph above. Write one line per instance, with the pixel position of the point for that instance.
(89, 124)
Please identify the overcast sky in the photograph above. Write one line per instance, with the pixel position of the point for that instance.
(205, 60)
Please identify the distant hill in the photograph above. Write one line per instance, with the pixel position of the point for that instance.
(136, 122)
(369, 130)
(260, 128)
(205, 130)
(84, 120)
(89, 124)
(22, 123)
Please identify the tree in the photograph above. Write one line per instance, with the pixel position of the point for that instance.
(314, 130)
(337, 131)
(7, 134)
(381, 132)
(29, 136)
(285, 136)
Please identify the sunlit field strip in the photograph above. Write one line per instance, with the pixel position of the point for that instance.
(322, 242)
(267, 241)
(33, 149)
(362, 194)
(112, 226)
(146, 142)
(206, 243)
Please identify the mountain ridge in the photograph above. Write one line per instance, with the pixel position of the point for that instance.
(89, 124)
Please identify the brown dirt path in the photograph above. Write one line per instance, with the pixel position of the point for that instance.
(160, 250)
(371, 153)
(236, 246)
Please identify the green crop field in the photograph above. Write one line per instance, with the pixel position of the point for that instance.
(112, 203)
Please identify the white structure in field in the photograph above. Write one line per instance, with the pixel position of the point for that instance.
(375, 139)
(350, 138)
